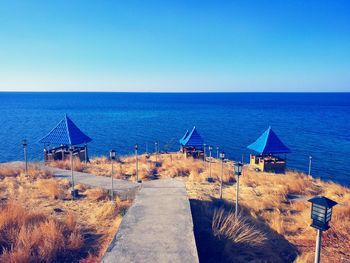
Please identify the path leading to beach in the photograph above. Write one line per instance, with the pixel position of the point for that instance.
(158, 226)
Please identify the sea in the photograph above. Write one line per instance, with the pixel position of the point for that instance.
(310, 124)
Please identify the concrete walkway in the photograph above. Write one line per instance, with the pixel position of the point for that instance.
(158, 227)
(122, 188)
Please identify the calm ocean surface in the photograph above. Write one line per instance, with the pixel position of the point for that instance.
(316, 124)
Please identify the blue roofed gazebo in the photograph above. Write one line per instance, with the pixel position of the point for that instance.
(64, 136)
(192, 144)
(268, 147)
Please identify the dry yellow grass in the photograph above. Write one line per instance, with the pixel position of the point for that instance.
(265, 198)
(236, 229)
(40, 223)
(66, 164)
(9, 171)
(291, 218)
(164, 165)
(52, 188)
(27, 236)
(15, 170)
(96, 194)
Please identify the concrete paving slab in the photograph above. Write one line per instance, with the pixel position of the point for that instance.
(158, 227)
(122, 188)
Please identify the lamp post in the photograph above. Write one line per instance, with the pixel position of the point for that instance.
(85, 154)
(45, 155)
(156, 150)
(25, 143)
(217, 152)
(321, 214)
(210, 179)
(112, 155)
(238, 171)
(137, 163)
(310, 162)
(120, 168)
(204, 145)
(71, 149)
(222, 157)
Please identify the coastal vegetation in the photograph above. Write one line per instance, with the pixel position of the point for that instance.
(40, 223)
(273, 223)
(274, 219)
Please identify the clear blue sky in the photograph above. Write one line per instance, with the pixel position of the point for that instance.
(175, 45)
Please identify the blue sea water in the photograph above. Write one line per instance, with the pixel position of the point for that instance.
(315, 124)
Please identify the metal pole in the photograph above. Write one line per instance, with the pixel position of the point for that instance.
(25, 158)
(85, 149)
(237, 189)
(210, 163)
(242, 158)
(112, 189)
(120, 168)
(137, 166)
(318, 246)
(310, 161)
(62, 152)
(156, 150)
(72, 175)
(204, 154)
(222, 173)
(217, 152)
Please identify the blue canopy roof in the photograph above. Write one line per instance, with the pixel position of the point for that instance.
(184, 137)
(66, 133)
(267, 143)
(192, 139)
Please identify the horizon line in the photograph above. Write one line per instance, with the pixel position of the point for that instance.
(93, 91)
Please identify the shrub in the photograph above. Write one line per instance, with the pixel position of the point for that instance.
(32, 237)
(66, 164)
(8, 171)
(34, 171)
(96, 194)
(236, 229)
(107, 210)
(51, 187)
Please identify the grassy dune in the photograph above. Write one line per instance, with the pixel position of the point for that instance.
(40, 223)
(272, 226)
